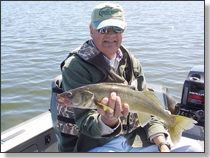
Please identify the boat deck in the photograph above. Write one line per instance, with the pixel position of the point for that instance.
(30, 136)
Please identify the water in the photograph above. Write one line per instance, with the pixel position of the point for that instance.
(166, 36)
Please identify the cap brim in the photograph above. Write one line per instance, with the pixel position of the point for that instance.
(109, 22)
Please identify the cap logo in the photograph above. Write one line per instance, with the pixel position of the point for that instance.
(107, 11)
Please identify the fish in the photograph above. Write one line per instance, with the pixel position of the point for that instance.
(144, 103)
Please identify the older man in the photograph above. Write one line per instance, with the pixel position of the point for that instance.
(104, 59)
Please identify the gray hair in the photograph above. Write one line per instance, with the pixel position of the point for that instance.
(91, 23)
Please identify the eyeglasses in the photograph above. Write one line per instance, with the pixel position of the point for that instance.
(106, 30)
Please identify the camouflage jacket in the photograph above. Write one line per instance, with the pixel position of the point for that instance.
(87, 66)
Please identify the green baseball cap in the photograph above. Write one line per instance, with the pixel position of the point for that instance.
(108, 14)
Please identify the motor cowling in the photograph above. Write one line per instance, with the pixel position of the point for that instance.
(192, 100)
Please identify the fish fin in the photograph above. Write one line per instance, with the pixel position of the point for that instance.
(104, 107)
(180, 123)
(88, 98)
(120, 84)
(172, 104)
(143, 118)
(153, 97)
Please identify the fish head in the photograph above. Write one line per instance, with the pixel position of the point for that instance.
(70, 98)
(76, 98)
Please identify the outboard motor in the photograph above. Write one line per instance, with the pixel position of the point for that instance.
(192, 101)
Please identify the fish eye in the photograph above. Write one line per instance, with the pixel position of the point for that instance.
(69, 95)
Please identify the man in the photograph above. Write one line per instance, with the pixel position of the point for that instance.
(104, 59)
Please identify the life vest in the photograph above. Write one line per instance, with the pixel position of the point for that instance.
(63, 117)
(61, 124)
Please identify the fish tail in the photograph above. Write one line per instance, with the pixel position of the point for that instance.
(181, 123)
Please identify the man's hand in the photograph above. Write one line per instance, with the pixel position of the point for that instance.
(160, 139)
(114, 102)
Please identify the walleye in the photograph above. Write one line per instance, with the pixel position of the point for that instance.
(144, 103)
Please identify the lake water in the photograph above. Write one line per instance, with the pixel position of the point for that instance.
(166, 36)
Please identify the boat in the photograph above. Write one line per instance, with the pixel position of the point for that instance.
(38, 134)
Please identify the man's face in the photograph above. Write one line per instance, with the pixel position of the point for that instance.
(108, 44)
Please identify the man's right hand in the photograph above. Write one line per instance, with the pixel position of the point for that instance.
(114, 102)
